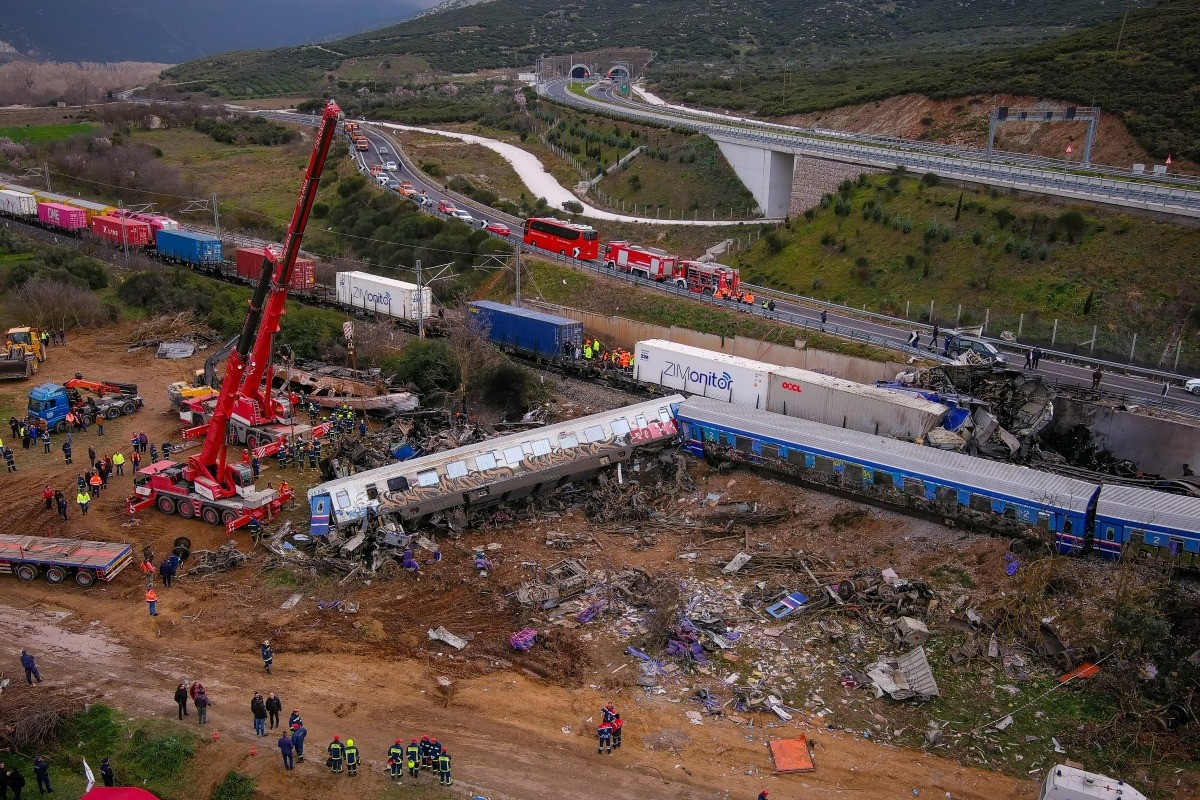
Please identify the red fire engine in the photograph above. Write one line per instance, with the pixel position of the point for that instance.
(645, 262)
(207, 485)
(714, 279)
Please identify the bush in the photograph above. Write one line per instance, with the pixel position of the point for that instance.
(1072, 224)
(235, 786)
(930, 178)
(426, 364)
(931, 232)
(977, 238)
(513, 389)
(842, 207)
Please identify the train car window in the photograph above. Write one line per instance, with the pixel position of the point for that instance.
(745, 444)
(620, 427)
(343, 499)
(824, 465)
(979, 502)
(427, 478)
(946, 495)
(456, 469)
(1110, 535)
(914, 487)
(1010, 511)
(485, 461)
(372, 492)
(770, 451)
(664, 416)
(541, 447)
(568, 440)
(1043, 520)
(399, 484)
(882, 479)
(595, 433)
(1068, 525)
(796, 456)
(853, 473)
(514, 456)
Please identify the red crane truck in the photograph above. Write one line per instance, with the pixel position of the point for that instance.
(57, 559)
(208, 485)
(645, 262)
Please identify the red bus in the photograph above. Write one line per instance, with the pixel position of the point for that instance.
(564, 238)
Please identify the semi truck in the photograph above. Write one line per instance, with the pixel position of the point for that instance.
(27, 557)
(52, 402)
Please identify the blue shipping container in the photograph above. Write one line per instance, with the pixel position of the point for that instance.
(199, 249)
(529, 332)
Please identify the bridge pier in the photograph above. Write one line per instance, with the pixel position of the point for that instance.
(766, 173)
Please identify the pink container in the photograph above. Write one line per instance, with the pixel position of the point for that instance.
(64, 217)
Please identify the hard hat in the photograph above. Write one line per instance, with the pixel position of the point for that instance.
(350, 743)
(335, 737)
(414, 741)
(397, 741)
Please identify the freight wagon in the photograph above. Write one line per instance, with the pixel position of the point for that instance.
(17, 204)
(363, 291)
(57, 559)
(122, 231)
(188, 247)
(526, 332)
(785, 390)
(62, 216)
(249, 262)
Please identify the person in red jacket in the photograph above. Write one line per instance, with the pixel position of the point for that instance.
(762, 795)
(616, 731)
(48, 496)
(604, 733)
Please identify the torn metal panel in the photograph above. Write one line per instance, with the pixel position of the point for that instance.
(443, 635)
(175, 350)
(915, 667)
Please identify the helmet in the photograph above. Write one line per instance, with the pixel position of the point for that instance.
(434, 739)
(397, 741)
(336, 737)
(350, 743)
(425, 738)
(414, 741)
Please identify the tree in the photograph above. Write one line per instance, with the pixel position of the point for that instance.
(474, 354)
(1072, 224)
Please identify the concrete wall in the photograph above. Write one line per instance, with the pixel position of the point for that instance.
(766, 173)
(817, 176)
(624, 332)
(1155, 445)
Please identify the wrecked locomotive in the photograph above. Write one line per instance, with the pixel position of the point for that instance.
(506, 468)
(1073, 516)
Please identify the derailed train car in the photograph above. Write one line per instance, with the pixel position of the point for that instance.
(498, 470)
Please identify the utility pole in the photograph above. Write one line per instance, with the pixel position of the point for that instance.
(124, 231)
(216, 214)
(420, 302)
(46, 170)
(517, 299)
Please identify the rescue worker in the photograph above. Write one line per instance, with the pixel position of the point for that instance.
(45, 437)
(151, 599)
(41, 772)
(286, 749)
(299, 732)
(395, 760)
(435, 750)
(337, 751)
(426, 756)
(118, 461)
(48, 496)
(254, 527)
(362, 427)
(617, 723)
(66, 448)
(608, 713)
(255, 467)
(61, 500)
(412, 758)
(268, 655)
(443, 768)
(294, 719)
(135, 460)
(351, 758)
(311, 452)
(84, 499)
(167, 570)
(587, 349)
(94, 482)
(29, 664)
(604, 735)
(10, 459)
(281, 455)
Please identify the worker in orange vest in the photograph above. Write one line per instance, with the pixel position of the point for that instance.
(152, 600)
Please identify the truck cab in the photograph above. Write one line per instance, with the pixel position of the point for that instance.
(52, 403)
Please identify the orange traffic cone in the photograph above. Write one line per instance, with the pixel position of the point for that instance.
(253, 750)
(216, 734)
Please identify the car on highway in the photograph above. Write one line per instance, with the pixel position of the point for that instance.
(383, 179)
(393, 184)
(390, 166)
(446, 207)
(983, 349)
(1192, 386)
(463, 215)
(423, 199)
(498, 228)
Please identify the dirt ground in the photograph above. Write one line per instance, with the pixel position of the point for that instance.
(519, 725)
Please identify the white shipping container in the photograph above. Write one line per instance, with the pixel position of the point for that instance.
(846, 404)
(17, 204)
(702, 372)
(383, 295)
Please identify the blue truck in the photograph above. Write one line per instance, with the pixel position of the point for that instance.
(188, 247)
(52, 402)
(530, 333)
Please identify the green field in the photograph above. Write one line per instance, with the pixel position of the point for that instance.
(39, 134)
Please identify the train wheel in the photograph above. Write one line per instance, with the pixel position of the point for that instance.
(165, 504)
(186, 509)
(85, 577)
(182, 547)
(56, 574)
(26, 572)
(210, 515)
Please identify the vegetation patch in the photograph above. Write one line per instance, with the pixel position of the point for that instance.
(38, 134)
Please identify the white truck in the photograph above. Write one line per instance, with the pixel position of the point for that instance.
(1071, 783)
(385, 296)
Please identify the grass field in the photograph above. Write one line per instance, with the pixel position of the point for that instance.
(483, 167)
(38, 134)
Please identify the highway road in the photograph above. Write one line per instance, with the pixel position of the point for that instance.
(1165, 194)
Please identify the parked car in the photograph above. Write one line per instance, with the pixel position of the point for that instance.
(446, 207)
(1193, 386)
(498, 228)
(465, 216)
(985, 350)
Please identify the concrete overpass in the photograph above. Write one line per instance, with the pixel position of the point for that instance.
(769, 158)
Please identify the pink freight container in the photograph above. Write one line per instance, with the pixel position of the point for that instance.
(64, 217)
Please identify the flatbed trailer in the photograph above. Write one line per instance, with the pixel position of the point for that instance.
(57, 559)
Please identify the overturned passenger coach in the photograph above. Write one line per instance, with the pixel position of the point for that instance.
(502, 469)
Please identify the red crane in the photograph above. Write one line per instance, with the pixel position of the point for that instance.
(207, 485)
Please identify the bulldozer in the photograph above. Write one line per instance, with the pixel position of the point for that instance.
(23, 352)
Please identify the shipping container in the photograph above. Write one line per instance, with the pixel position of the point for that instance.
(846, 404)
(703, 372)
(119, 230)
(386, 296)
(529, 332)
(93, 209)
(249, 262)
(17, 204)
(197, 249)
(64, 217)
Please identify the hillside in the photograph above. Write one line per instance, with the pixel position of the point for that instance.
(149, 30)
(513, 33)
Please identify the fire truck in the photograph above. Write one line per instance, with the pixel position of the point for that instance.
(644, 262)
(713, 279)
(208, 485)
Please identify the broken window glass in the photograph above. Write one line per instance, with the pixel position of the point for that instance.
(427, 478)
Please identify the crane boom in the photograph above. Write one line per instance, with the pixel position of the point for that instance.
(250, 358)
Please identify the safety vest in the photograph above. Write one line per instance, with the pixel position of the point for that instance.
(118, 459)
(151, 596)
(83, 498)
(95, 480)
(587, 352)
(444, 762)
(395, 753)
(336, 749)
(352, 754)
(413, 753)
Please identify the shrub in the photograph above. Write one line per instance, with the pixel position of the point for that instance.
(947, 232)
(235, 786)
(1071, 223)
(931, 232)
(930, 179)
(977, 238)
(1010, 244)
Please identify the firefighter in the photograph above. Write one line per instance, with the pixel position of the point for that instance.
(299, 732)
(311, 452)
(435, 751)
(443, 768)
(617, 723)
(426, 755)
(337, 751)
(412, 758)
(351, 758)
(395, 760)
(604, 735)
(608, 712)
(281, 455)
(298, 454)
